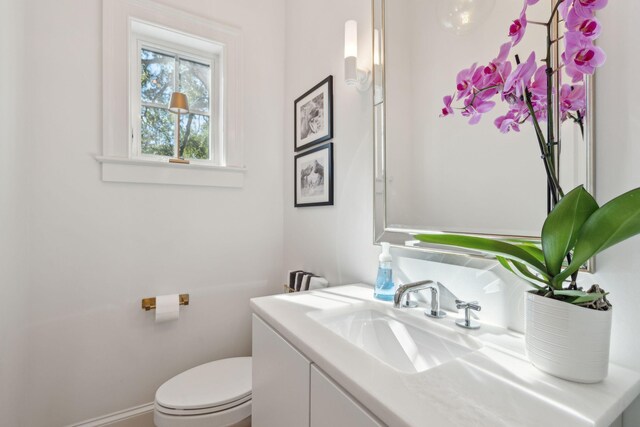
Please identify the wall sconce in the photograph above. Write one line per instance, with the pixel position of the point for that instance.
(179, 105)
(354, 76)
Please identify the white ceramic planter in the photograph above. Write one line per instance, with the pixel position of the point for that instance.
(567, 341)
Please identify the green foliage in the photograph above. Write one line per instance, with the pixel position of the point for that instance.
(611, 224)
(579, 297)
(194, 136)
(522, 271)
(560, 230)
(489, 246)
(575, 226)
(156, 129)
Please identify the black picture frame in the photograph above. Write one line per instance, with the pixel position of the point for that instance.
(308, 190)
(313, 116)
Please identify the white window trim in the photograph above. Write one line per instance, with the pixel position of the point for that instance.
(118, 162)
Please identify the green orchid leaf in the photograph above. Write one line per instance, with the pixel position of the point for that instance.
(588, 298)
(503, 262)
(489, 246)
(570, 292)
(533, 249)
(561, 227)
(614, 222)
(528, 274)
(522, 272)
(580, 297)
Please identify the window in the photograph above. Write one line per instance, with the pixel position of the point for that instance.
(161, 74)
(149, 51)
(163, 67)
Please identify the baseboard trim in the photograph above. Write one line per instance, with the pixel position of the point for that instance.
(116, 416)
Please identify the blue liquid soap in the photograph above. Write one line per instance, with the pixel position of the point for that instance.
(384, 289)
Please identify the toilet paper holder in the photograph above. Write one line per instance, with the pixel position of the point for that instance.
(150, 303)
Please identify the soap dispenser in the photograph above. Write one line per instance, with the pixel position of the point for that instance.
(384, 289)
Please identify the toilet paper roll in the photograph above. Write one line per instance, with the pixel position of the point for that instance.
(167, 307)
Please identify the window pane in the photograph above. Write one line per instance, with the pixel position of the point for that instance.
(156, 128)
(195, 79)
(194, 136)
(157, 77)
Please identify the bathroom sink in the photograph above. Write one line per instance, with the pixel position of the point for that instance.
(395, 341)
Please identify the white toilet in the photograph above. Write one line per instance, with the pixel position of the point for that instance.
(216, 394)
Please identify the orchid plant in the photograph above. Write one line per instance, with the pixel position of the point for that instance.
(576, 228)
(527, 87)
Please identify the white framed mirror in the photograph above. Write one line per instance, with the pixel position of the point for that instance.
(440, 174)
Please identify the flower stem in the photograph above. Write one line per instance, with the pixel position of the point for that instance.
(545, 147)
(557, 192)
(546, 155)
(479, 91)
(553, 12)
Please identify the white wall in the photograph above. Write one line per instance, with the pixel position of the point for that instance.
(13, 230)
(337, 240)
(97, 248)
(334, 241)
(617, 154)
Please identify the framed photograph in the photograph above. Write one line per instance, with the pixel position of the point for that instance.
(314, 177)
(313, 116)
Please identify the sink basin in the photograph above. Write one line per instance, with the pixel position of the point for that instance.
(395, 341)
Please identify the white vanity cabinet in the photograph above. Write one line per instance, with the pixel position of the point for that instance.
(289, 391)
(280, 389)
(331, 406)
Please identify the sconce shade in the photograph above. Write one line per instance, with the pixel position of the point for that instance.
(376, 47)
(353, 76)
(179, 103)
(351, 39)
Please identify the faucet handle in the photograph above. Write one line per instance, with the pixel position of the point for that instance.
(467, 322)
(473, 305)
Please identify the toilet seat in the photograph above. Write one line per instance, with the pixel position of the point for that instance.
(207, 389)
(201, 411)
(238, 416)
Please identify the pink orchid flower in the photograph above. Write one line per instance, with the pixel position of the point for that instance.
(519, 79)
(518, 27)
(464, 83)
(476, 105)
(496, 71)
(525, 88)
(581, 55)
(572, 98)
(508, 122)
(501, 58)
(538, 87)
(447, 110)
(588, 27)
(564, 8)
(586, 8)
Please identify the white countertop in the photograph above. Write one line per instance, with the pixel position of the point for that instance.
(492, 386)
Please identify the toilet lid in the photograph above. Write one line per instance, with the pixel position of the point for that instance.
(217, 383)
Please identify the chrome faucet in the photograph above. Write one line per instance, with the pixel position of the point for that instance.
(419, 286)
(467, 322)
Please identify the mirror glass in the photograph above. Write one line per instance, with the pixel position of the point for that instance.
(438, 173)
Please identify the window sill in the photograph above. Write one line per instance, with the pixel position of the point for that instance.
(120, 169)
